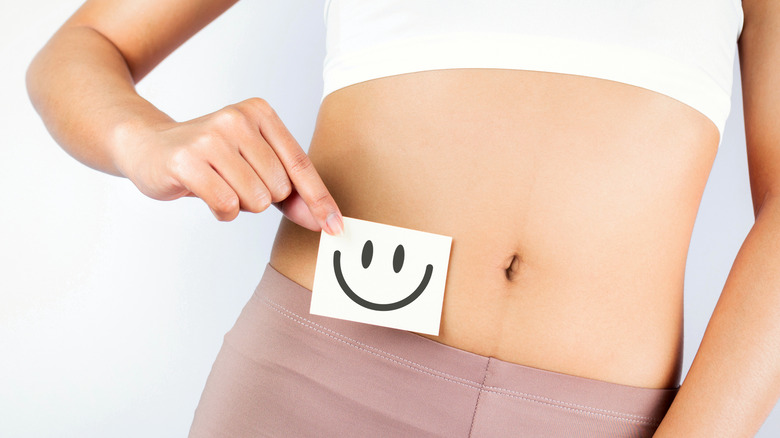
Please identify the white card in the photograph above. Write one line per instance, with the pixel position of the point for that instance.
(383, 275)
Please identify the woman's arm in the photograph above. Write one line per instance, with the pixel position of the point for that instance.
(241, 157)
(734, 381)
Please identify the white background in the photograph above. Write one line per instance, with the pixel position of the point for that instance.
(113, 306)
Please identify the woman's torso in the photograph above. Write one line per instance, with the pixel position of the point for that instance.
(570, 201)
(570, 198)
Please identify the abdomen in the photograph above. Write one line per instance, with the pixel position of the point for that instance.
(570, 200)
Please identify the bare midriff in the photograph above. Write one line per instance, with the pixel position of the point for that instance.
(570, 201)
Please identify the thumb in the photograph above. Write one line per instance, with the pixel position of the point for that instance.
(295, 209)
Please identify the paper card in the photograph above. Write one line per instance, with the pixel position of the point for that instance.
(383, 275)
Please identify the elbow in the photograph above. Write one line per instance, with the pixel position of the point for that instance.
(39, 76)
(33, 81)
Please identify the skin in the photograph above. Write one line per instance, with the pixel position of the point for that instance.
(570, 200)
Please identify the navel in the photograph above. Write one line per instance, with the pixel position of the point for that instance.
(512, 270)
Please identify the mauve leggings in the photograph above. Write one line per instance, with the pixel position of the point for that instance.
(282, 372)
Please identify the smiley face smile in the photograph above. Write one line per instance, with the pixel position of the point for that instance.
(397, 264)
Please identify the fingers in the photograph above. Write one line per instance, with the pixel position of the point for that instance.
(299, 169)
(204, 182)
(241, 177)
(244, 158)
(297, 211)
(267, 166)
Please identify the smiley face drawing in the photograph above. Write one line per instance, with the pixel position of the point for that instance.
(398, 262)
(383, 275)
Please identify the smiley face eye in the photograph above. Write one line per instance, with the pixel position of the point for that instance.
(398, 258)
(368, 253)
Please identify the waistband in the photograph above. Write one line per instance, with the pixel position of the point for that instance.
(647, 405)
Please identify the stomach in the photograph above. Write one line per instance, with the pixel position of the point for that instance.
(570, 200)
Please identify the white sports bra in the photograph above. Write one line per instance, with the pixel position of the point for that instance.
(681, 48)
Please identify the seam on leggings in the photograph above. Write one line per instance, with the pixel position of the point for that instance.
(379, 353)
(359, 344)
(581, 411)
(448, 377)
(504, 391)
(479, 396)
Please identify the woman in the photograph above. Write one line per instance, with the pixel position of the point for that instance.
(564, 146)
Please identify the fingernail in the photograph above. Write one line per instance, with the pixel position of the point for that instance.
(334, 224)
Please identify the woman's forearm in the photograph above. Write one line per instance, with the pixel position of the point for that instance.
(734, 381)
(81, 86)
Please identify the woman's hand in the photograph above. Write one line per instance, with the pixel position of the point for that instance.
(241, 157)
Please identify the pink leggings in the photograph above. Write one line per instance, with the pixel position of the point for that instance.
(282, 372)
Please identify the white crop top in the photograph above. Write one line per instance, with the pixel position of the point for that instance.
(681, 48)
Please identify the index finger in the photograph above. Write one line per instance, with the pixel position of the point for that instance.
(300, 169)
